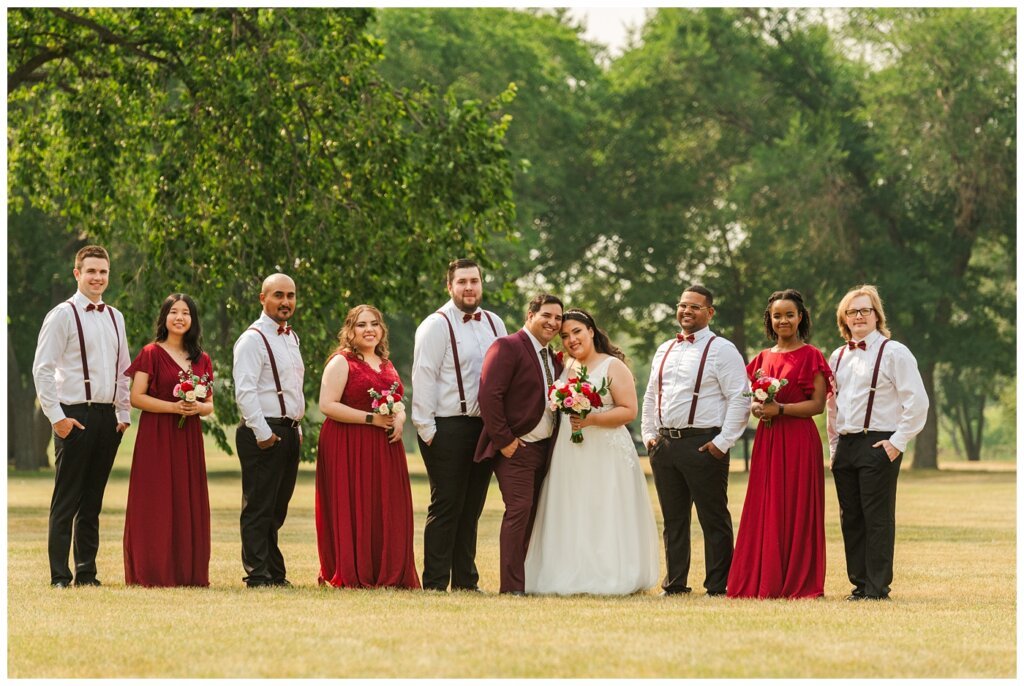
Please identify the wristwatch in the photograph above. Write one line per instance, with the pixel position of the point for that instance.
(369, 418)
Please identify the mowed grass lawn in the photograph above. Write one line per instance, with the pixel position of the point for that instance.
(953, 612)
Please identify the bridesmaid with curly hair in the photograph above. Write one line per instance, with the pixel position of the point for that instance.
(364, 523)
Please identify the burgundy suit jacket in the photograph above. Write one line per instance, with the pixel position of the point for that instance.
(510, 399)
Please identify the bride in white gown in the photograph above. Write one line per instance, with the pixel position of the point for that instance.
(594, 531)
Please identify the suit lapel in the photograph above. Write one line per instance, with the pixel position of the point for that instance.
(531, 355)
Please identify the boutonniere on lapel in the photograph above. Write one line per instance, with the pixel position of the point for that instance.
(559, 355)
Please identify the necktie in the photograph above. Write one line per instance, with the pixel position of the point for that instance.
(284, 329)
(862, 345)
(471, 317)
(683, 337)
(99, 308)
(547, 372)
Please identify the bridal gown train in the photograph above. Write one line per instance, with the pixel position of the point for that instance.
(594, 531)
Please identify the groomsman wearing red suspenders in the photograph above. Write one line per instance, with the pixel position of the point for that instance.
(694, 412)
(878, 406)
(79, 367)
(268, 374)
(447, 361)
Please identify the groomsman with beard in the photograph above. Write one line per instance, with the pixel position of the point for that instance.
(694, 412)
(268, 373)
(447, 363)
(517, 371)
(79, 367)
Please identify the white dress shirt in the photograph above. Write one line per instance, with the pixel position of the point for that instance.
(435, 389)
(901, 402)
(546, 426)
(721, 402)
(57, 369)
(255, 391)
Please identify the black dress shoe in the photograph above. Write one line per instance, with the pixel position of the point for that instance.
(877, 597)
(87, 582)
(853, 597)
(281, 582)
(715, 594)
(61, 584)
(259, 583)
(467, 589)
(675, 591)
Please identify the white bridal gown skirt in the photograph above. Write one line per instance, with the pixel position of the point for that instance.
(594, 531)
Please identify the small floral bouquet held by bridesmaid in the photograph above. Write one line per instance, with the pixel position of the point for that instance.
(191, 388)
(763, 389)
(576, 396)
(386, 402)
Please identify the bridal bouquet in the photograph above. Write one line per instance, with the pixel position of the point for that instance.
(190, 388)
(576, 396)
(763, 389)
(387, 402)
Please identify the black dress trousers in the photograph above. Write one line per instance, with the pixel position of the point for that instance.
(684, 476)
(866, 487)
(83, 461)
(458, 491)
(268, 481)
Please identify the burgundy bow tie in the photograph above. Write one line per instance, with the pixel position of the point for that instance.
(284, 329)
(862, 345)
(684, 337)
(475, 317)
(91, 306)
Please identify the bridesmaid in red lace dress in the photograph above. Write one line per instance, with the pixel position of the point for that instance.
(780, 547)
(167, 519)
(363, 501)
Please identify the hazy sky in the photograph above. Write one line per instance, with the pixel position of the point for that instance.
(609, 25)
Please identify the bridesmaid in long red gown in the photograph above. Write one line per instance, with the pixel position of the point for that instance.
(167, 518)
(780, 547)
(364, 522)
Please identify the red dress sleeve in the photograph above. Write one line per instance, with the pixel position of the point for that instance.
(143, 362)
(814, 363)
(754, 365)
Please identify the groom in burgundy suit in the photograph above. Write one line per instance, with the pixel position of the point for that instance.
(517, 372)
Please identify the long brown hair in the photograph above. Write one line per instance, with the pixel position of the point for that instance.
(348, 333)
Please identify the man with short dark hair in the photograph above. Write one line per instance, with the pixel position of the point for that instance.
(517, 371)
(268, 373)
(447, 361)
(694, 412)
(81, 357)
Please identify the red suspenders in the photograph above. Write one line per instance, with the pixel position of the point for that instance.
(273, 368)
(696, 386)
(81, 347)
(455, 355)
(874, 380)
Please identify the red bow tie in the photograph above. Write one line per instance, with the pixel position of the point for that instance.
(475, 317)
(862, 345)
(683, 337)
(91, 306)
(284, 329)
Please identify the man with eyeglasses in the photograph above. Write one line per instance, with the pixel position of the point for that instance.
(693, 413)
(879, 405)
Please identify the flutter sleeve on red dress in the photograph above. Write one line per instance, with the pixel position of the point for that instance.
(143, 362)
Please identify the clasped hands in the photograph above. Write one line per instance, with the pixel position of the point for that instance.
(392, 425)
(764, 410)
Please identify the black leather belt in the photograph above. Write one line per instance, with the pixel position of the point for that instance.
(686, 433)
(284, 421)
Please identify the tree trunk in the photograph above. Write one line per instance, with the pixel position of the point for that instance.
(926, 447)
(25, 450)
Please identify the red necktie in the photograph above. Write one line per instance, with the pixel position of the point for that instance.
(683, 337)
(862, 345)
(467, 317)
(284, 329)
(99, 308)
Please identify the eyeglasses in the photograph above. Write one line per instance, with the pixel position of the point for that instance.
(864, 312)
(687, 307)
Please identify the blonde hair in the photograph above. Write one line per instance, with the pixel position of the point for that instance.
(876, 302)
(347, 335)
